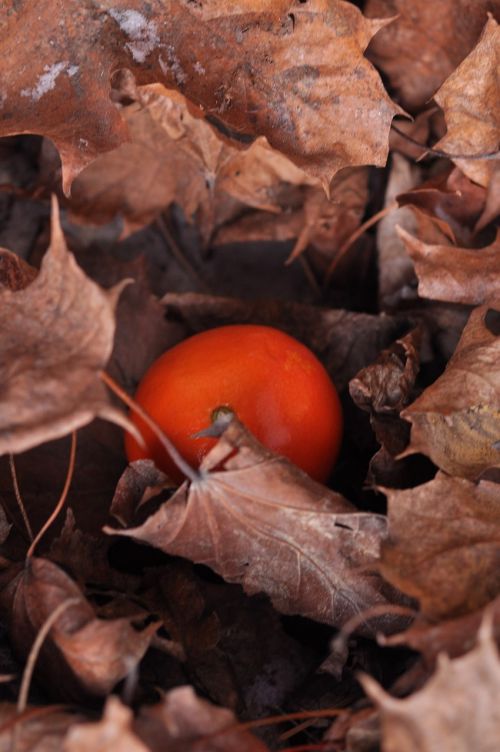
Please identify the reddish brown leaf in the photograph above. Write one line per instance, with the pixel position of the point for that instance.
(37, 729)
(426, 42)
(457, 275)
(444, 544)
(470, 98)
(456, 421)
(294, 73)
(456, 710)
(55, 337)
(15, 273)
(140, 482)
(83, 655)
(181, 722)
(263, 523)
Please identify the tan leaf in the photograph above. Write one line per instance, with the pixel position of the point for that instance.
(457, 710)
(55, 337)
(38, 729)
(181, 722)
(470, 98)
(453, 274)
(292, 72)
(444, 544)
(425, 42)
(456, 421)
(173, 156)
(83, 655)
(263, 523)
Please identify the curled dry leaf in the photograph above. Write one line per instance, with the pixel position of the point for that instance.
(344, 341)
(416, 60)
(261, 522)
(83, 656)
(140, 482)
(174, 156)
(56, 335)
(443, 545)
(456, 711)
(181, 722)
(455, 275)
(239, 64)
(470, 98)
(456, 421)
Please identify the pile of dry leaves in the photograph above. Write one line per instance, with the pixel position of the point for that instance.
(327, 167)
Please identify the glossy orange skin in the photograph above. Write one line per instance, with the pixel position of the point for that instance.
(276, 386)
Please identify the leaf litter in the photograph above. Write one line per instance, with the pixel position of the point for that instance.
(223, 163)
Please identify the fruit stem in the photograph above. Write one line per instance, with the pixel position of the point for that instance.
(174, 454)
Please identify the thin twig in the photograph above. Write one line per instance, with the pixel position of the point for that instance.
(62, 498)
(445, 154)
(357, 620)
(352, 239)
(179, 256)
(309, 274)
(174, 454)
(22, 699)
(19, 498)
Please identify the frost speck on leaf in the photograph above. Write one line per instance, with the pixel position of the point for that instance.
(47, 80)
(142, 33)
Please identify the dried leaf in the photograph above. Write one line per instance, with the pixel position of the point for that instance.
(457, 275)
(444, 545)
(457, 711)
(456, 421)
(55, 337)
(83, 655)
(261, 522)
(240, 67)
(140, 482)
(470, 98)
(425, 42)
(15, 273)
(38, 729)
(181, 722)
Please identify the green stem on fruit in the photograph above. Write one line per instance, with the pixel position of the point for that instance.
(169, 447)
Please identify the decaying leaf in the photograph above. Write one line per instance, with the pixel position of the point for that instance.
(83, 655)
(457, 711)
(456, 421)
(15, 273)
(140, 482)
(261, 522)
(443, 546)
(470, 98)
(181, 722)
(56, 334)
(290, 71)
(38, 729)
(425, 42)
(457, 275)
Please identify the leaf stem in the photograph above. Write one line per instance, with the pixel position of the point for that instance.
(174, 454)
(19, 498)
(62, 498)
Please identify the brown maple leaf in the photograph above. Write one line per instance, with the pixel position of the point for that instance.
(290, 71)
(263, 523)
(453, 274)
(456, 421)
(56, 335)
(456, 710)
(470, 99)
(425, 42)
(443, 546)
(83, 656)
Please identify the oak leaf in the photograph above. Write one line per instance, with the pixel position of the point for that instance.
(453, 274)
(56, 335)
(443, 546)
(456, 421)
(290, 71)
(263, 523)
(456, 711)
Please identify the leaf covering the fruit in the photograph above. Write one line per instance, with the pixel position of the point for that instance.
(261, 522)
